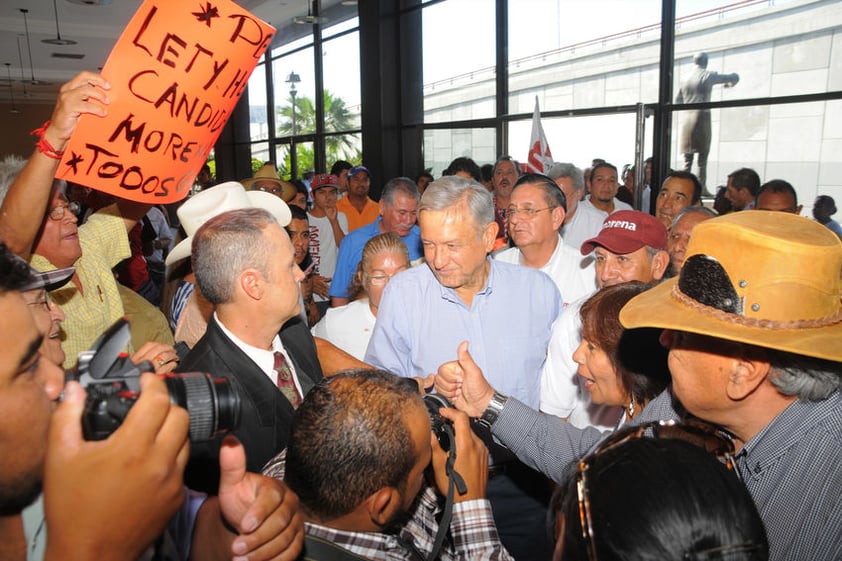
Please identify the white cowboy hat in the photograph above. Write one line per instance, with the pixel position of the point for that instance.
(215, 200)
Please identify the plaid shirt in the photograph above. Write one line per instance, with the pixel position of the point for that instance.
(472, 536)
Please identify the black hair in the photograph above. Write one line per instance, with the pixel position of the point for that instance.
(349, 438)
(466, 165)
(487, 171)
(697, 185)
(338, 166)
(662, 499)
(297, 213)
(746, 178)
(602, 164)
(778, 186)
(552, 192)
(14, 271)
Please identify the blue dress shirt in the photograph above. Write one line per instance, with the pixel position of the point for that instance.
(420, 323)
(351, 251)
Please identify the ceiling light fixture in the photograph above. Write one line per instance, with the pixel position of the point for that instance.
(312, 17)
(32, 81)
(20, 61)
(58, 40)
(14, 109)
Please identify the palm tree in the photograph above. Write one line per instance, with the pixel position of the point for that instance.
(337, 118)
(305, 117)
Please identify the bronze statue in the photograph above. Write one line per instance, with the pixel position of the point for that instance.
(695, 134)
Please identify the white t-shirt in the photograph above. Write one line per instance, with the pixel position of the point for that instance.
(323, 247)
(348, 327)
(618, 205)
(585, 224)
(573, 273)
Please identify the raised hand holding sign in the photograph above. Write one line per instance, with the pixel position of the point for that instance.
(176, 74)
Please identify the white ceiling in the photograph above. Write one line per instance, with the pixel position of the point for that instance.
(96, 29)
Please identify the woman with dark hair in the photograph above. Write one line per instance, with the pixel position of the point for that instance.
(619, 367)
(638, 499)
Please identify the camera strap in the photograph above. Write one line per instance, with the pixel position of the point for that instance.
(318, 549)
(454, 482)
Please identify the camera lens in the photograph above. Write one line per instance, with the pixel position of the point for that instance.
(439, 424)
(213, 403)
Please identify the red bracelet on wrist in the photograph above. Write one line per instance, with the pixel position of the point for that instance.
(44, 145)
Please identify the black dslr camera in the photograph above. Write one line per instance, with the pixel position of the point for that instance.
(442, 428)
(112, 383)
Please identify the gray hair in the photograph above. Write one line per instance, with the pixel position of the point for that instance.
(653, 252)
(564, 169)
(691, 210)
(806, 377)
(502, 159)
(10, 167)
(445, 193)
(399, 185)
(228, 244)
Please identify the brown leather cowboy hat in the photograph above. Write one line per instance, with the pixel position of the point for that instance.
(769, 279)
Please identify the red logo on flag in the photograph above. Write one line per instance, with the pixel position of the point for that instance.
(540, 157)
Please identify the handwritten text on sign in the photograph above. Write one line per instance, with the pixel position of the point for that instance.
(176, 74)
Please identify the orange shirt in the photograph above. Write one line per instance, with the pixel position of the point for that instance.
(356, 219)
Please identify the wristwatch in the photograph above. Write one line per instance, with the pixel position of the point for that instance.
(495, 406)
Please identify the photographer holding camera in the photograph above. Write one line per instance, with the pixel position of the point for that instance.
(89, 487)
(360, 446)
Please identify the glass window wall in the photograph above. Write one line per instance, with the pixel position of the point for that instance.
(582, 53)
(458, 41)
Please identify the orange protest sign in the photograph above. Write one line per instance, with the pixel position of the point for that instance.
(176, 73)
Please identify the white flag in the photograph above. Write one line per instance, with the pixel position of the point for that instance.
(540, 157)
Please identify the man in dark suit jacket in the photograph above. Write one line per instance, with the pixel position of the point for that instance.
(244, 265)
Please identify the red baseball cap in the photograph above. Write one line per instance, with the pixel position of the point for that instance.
(323, 180)
(626, 231)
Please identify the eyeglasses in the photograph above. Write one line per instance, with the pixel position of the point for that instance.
(57, 213)
(713, 440)
(381, 280)
(527, 213)
(42, 300)
(277, 190)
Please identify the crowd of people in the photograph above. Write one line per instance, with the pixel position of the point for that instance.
(434, 375)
